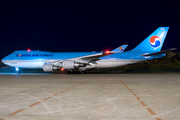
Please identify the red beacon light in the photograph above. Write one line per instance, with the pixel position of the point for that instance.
(28, 50)
(107, 52)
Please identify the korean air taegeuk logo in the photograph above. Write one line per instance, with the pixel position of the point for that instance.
(155, 41)
(121, 49)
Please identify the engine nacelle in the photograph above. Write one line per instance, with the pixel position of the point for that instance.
(49, 68)
(69, 64)
(66, 65)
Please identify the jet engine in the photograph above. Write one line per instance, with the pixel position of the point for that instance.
(66, 65)
(69, 64)
(50, 68)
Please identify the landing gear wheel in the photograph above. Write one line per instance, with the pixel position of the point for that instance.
(18, 72)
(82, 72)
(71, 72)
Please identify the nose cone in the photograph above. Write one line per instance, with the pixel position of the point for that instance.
(4, 60)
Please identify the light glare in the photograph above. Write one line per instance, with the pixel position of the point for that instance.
(62, 69)
(107, 52)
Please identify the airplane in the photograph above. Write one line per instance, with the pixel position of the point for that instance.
(149, 48)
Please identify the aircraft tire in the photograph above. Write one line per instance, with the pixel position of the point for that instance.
(18, 72)
(71, 72)
(82, 72)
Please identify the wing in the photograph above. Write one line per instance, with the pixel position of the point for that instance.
(89, 58)
(95, 57)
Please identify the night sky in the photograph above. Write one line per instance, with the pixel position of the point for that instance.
(72, 26)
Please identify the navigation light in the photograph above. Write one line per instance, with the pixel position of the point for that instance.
(62, 69)
(107, 52)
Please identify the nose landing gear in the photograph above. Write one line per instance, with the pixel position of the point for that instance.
(17, 70)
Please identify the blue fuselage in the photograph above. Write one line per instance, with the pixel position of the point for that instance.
(36, 59)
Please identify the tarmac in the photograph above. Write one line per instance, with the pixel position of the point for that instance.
(90, 96)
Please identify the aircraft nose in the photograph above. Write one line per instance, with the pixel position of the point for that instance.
(4, 60)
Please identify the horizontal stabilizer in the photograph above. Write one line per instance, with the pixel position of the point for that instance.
(120, 49)
(159, 53)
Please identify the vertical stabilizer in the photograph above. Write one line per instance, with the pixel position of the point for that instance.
(154, 41)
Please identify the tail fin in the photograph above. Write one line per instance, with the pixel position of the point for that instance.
(154, 41)
(120, 49)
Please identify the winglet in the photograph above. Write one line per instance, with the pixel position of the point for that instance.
(120, 49)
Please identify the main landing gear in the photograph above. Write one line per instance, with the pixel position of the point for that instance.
(73, 72)
(82, 72)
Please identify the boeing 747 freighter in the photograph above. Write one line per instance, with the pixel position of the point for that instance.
(148, 49)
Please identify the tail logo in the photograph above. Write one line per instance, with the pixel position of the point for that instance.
(155, 41)
(121, 49)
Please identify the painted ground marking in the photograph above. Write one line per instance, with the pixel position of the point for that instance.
(40, 102)
(143, 103)
(47, 98)
(138, 98)
(34, 104)
(16, 112)
(158, 119)
(149, 109)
